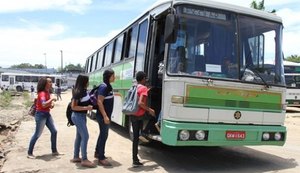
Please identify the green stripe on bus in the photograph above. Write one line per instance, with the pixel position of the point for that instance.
(206, 96)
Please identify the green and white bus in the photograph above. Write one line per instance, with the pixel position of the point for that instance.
(292, 79)
(222, 81)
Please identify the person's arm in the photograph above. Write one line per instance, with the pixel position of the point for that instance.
(75, 106)
(141, 103)
(46, 103)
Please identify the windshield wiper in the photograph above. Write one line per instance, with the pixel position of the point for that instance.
(253, 69)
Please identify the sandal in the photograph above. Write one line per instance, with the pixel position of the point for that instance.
(104, 163)
(88, 164)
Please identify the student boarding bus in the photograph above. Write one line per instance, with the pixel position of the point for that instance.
(23, 81)
(292, 79)
(222, 81)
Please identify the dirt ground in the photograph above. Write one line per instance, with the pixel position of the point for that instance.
(17, 129)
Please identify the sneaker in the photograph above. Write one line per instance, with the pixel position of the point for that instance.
(88, 164)
(30, 156)
(143, 138)
(75, 160)
(137, 164)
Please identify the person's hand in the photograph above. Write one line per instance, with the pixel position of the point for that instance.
(89, 107)
(52, 105)
(106, 120)
(151, 112)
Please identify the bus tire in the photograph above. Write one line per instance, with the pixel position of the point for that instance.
(19, 88)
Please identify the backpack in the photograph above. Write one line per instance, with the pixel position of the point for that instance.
(130, 105)
(93, 97)
(32, 109)
(69, 114)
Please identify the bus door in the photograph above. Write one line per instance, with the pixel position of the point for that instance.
(11, 81)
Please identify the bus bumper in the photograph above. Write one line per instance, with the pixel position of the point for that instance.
(172, 133)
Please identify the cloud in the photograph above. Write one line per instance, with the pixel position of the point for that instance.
(37, 44)
(12, 6)
(124, 5)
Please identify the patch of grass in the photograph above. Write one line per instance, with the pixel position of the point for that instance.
(5, 99)
(27, 100)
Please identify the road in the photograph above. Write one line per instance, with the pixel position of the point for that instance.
(156, 157)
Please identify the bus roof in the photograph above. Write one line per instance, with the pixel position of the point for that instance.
(289, 63)
(32, 74)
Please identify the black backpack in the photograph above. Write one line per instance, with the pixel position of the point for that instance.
(93, 97)
(69, 114)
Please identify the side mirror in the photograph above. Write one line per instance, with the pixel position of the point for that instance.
(170, 29)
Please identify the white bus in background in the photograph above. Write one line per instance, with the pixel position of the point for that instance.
(24, 81)
(292, 80)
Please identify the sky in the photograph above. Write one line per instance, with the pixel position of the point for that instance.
(43, 31)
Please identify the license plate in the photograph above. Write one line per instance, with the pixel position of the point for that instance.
(235, 135)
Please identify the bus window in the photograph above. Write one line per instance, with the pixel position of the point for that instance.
(95, 60)
(34, 79)
(108, 54)
(19, 78)
(140, 57)
(118, 48)
(5, 78)
(100, 59)
(26, 78)
(132, 41)
(91, 63)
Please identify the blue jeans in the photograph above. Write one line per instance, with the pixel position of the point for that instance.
(42, 119)
(103, 134)
(82, 135)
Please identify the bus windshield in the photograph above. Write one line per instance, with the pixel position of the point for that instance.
(219, 44)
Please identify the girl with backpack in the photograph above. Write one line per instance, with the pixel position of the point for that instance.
(80, 105)
(43, 117)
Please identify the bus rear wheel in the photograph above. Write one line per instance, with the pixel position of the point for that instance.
(19, 88)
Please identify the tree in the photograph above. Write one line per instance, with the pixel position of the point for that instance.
(27, 65)
(260, 6)
(293, 58)
(72, 68)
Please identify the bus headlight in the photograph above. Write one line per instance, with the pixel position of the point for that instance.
(200, 135)
(277, 136)
(184, 135)
(266, 136)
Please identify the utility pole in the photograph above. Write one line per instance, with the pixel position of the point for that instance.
(45, 61)
(61, 63)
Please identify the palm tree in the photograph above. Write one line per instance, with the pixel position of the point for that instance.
(260, 6)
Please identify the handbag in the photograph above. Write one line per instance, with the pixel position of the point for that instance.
(32, 109)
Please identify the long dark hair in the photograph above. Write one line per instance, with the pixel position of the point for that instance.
(106, 76)
(79, 89)
(41, 84)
